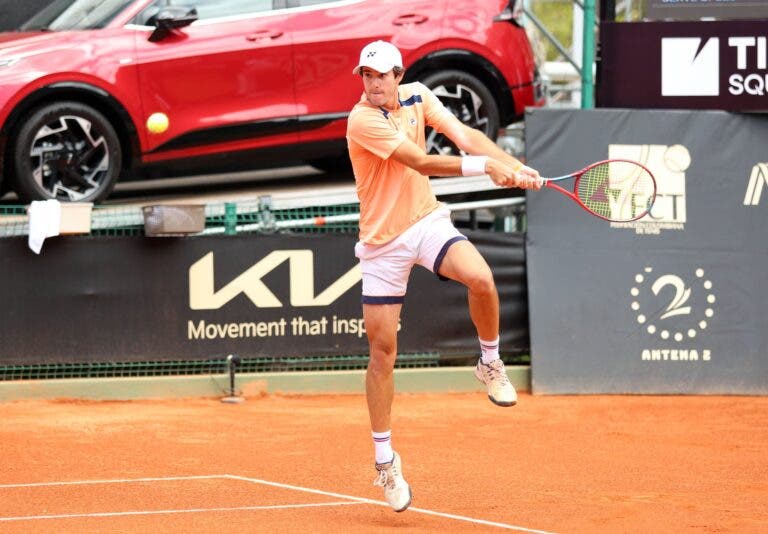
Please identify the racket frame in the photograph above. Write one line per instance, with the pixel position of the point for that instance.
(548, 182)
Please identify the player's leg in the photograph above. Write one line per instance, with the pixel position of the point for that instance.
(385, 270)
(447, 253)
(381, 327)
(464, 263)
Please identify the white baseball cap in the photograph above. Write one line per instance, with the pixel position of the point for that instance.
(381, 56)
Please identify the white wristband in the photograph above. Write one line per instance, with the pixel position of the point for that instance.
(473, 165)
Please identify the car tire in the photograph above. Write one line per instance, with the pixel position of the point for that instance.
(469, 100)
(67, 151)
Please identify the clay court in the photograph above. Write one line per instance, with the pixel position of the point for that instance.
(278, 463)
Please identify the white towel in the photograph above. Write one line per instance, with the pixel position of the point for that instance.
(44, 221)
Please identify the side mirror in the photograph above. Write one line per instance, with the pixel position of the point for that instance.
(171, 18)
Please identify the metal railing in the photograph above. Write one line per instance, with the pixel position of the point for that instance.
(335, 210)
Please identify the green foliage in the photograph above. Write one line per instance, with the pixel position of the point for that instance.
(557, 18)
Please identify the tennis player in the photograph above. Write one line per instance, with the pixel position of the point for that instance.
(402, 224)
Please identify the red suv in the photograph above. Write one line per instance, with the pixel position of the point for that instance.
(92, 91)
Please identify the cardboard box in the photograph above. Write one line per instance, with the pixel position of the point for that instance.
(75, 218)
(160, 220)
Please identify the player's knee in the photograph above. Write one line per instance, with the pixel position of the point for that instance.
(383, 350)
(481, 283)
(382, 362)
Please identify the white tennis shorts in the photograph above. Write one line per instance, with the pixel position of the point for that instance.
(386, 267)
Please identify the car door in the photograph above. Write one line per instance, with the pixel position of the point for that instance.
(225, 81)
(328, 36)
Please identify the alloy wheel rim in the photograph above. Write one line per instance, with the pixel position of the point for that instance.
(466, 105)
(69, 158)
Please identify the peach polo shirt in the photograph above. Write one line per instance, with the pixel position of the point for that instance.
(392, 196)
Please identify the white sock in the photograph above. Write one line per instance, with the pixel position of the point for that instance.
(382, 443)
(489, 350)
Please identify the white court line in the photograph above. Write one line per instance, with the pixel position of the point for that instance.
(184, 511)
(110, 481)
(356, 500)
(382, 503)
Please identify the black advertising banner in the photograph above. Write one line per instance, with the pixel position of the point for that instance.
(153, 299)
(674, 302)
(684, 65)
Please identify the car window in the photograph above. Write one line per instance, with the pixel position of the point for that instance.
(209, 9)
(61, 15)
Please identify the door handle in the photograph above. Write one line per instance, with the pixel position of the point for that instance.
(411, 18)
(263, 35)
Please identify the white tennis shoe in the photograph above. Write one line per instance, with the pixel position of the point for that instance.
(500, 389)
(397, 492)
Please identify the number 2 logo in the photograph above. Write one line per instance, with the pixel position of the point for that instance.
(674, 303)
(682, 294)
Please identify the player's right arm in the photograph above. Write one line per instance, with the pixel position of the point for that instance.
(474, 141)
(410, 154)
(368, 128)
(504, 169)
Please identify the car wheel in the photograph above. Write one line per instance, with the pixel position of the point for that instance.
(66, 151)
(469, 100)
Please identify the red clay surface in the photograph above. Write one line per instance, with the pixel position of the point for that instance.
(554, 464)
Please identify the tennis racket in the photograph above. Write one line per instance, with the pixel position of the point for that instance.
(616, 190)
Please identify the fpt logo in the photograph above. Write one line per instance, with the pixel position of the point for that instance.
(668, 164)
(690, 66)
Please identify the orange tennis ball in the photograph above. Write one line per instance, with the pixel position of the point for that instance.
(157, 123)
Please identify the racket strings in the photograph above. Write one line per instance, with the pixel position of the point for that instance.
(617, 190)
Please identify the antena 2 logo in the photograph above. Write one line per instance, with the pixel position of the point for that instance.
(675, 308)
